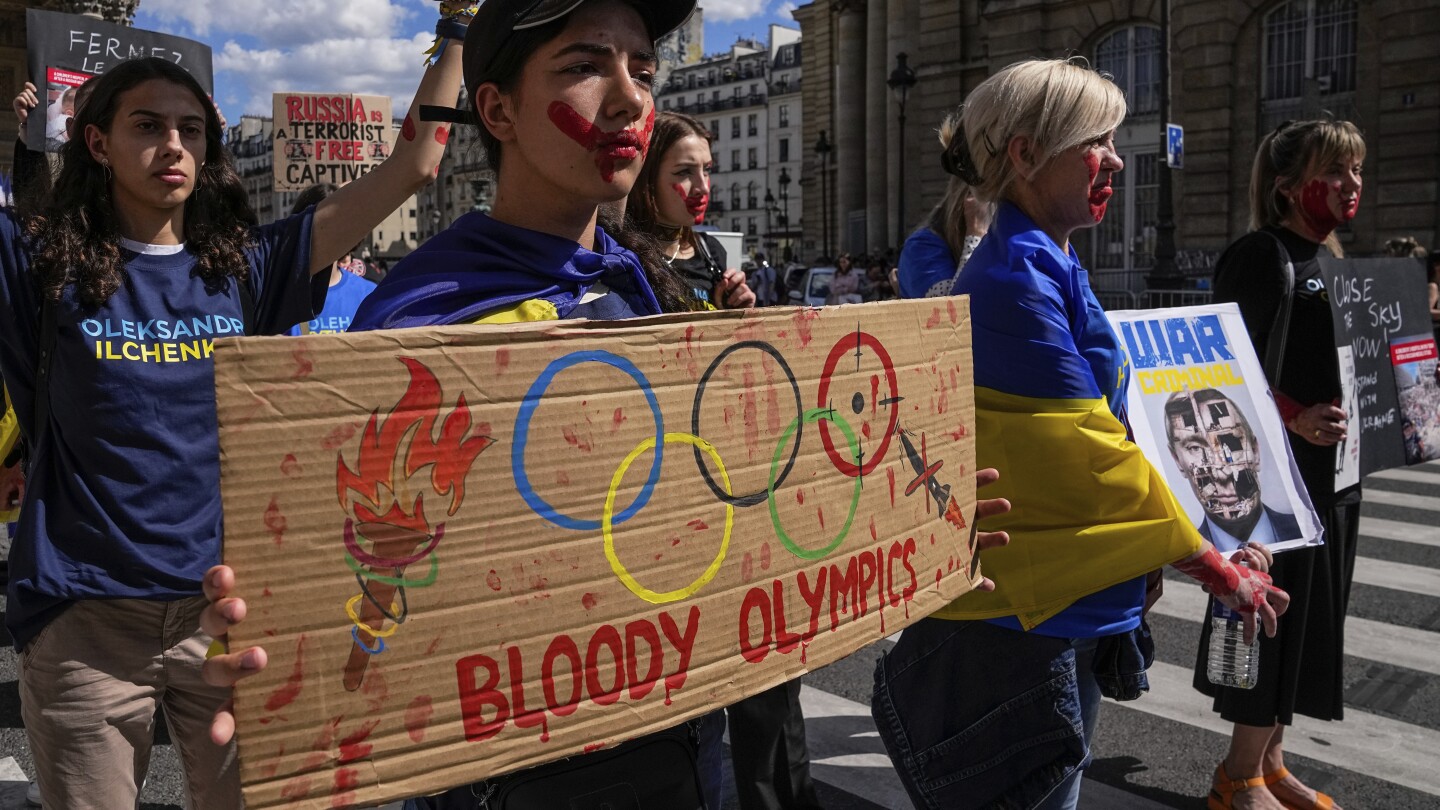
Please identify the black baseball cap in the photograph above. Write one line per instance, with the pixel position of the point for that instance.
(496, 20)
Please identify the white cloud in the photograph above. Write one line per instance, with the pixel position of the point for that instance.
(786, 10)
(281, 23)
(382, 65)
(731, 10)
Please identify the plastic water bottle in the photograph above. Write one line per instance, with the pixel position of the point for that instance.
(1232, 662)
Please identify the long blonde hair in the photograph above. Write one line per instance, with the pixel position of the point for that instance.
(1289, 156)
(1057, 103)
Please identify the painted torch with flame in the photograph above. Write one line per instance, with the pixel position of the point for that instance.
(386, 531)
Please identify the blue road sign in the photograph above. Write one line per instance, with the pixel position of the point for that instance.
(1175, 146)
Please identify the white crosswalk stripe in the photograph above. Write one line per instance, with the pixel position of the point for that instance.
(1372, 640)
(1384, 497)
(1400, 531)
(1397, 576)
(1425, 474)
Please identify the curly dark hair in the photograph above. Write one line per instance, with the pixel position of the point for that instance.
(77, 232)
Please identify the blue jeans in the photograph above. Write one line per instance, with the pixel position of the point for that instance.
(978, 715)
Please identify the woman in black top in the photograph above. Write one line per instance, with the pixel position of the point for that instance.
(671, 197)
(1305, 183)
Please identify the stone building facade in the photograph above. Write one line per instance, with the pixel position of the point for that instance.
(1239, 67)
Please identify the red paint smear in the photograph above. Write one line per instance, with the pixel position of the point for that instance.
(696, 200)
(890, 474)
(623, 144)
(539, 583)
(354, 748)
(266, 592)
(934, 319)
(442, 135)
(873, 535)
(593, 747)
(493, 580)
(747, 567)
(698, 525)
(296, 789)
(589, 601)
(417, 717)
(290, 467)
(865, 430)
(874, 393)
(573, 439)
(802, 325)
(502, 360)
(342, 794)
(954, 315)
(407, 130)
(958, 433)
(618, 418)
(750, 412)
(1099, 197)
(338, 436)
(432, 646)
(647, 131)
(820, 511)
(562, 478)
(952, 514)
(275, 521)
(764, 556)
(285, 695)
(303, 365)
(800, 496)
(690, 340)
(1315, 208)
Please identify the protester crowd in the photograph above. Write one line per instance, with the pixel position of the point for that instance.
(119, 608)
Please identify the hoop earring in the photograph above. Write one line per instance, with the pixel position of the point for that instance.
(105, 164)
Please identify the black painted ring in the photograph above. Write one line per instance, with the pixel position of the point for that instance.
(753, 498)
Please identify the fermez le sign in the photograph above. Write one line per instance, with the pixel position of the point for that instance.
(470, 550)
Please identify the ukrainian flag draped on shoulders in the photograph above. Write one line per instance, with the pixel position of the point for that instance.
(1090, 514)
(481, 270)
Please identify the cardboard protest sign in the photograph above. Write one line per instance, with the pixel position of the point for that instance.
(329, 138)
(1383, 330)
(63, 51)
(470, 550)
(1201, 411)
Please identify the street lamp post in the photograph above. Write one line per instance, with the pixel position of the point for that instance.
(902, 78)
(769, 240)
(785, 210)
(822, 148)
(1164, 275)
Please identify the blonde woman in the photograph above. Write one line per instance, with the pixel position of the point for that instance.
(935, 252)
(1305, 183)
(993, 700)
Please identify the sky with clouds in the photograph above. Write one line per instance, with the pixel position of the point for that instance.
(359, 46)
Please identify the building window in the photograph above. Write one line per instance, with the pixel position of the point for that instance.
(751, 125)
(1132, 57)
(734, 160)
(750, 226)
(784, 148)
(715, 129)
(1308, 40)
(754, 89)
(735, 126)
(784, 116)
(735, 198)
(752, 159)
(737, 91)
(735, 225)
(1120, 247)
(714, 95)
(665, 104)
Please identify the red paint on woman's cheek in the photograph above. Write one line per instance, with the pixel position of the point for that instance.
(1099, 197)
(1092, 163)
(646, 132)
(407, 130)
(1315, 208)
(575, 126)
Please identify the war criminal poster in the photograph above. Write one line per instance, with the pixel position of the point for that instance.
(470, 550)
(329, 137)
(1201, 411)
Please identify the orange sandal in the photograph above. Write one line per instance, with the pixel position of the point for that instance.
(1223, 788)
(1322, 801)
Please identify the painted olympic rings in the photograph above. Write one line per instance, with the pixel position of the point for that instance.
(607, 522)
(522, 435)
(384, 632)
(752, 498)
(841, 349)
(814, 415)
(399, 581)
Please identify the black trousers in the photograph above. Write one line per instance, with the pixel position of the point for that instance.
(768, 751)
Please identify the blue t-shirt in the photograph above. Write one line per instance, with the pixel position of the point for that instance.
(340, 305)
(123, 497)
(924, 260)
(1038, 331)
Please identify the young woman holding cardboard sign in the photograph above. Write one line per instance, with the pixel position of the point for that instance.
(144, 253)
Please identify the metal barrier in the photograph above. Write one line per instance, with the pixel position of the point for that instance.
(1164, 299)
(1111, 300)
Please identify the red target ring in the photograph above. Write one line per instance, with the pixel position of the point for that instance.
(846, 346)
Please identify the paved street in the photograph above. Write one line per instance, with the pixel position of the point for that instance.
(1159, 751)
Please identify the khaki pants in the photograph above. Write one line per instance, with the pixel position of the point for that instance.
(90, 684)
